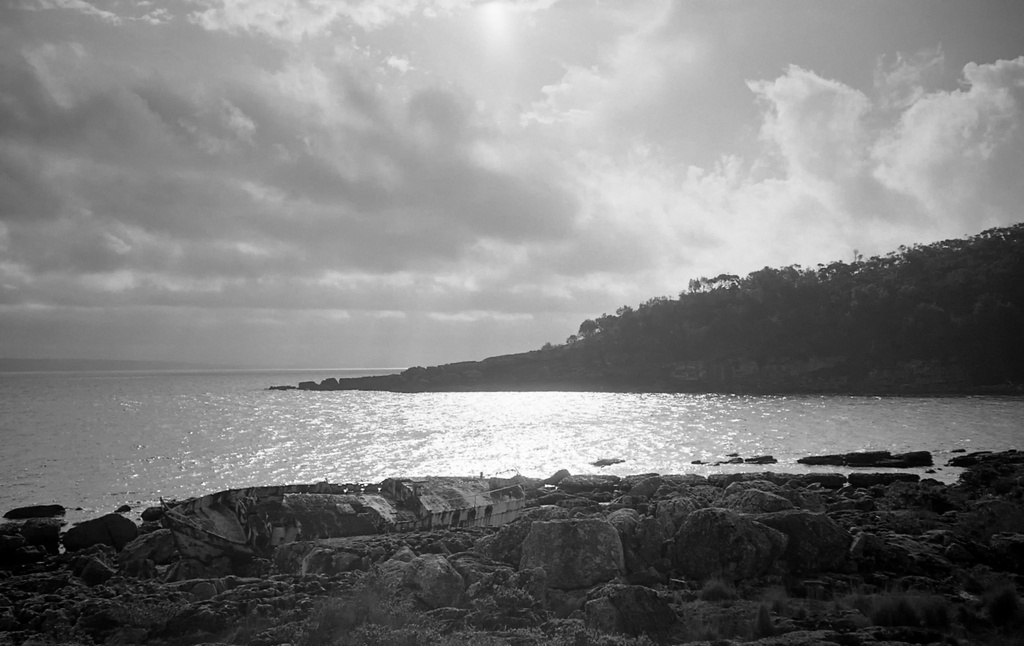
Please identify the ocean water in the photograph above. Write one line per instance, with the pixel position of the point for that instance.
(93, 441)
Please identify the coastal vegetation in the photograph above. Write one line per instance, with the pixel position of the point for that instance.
(939, 318)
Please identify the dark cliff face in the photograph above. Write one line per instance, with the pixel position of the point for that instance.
(941, 318)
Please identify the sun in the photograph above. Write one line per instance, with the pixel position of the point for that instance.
(496, 25)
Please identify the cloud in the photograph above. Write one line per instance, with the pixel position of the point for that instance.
(237, 192)
(293, 20)
(817, 125)
(955, 153)
(904, 82)
(399, 63)
(80, 6)
(307, 182)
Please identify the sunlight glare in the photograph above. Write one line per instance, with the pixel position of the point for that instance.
(495, 19)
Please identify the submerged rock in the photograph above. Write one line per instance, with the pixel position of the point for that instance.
(872, 459)
(35, 511)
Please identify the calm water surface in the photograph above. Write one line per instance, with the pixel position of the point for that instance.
(100, 440)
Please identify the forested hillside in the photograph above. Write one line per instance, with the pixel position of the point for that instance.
(943, 317)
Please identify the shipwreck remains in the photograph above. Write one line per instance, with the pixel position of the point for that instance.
(245, 523)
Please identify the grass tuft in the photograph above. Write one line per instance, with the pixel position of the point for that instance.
(717, 589)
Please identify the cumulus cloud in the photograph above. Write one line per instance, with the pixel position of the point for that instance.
(232, 193)
(330, 183)
(294, 20)
(955, 153)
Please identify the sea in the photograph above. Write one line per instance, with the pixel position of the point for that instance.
(94, 441)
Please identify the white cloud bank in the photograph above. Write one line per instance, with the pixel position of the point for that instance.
(392, 218)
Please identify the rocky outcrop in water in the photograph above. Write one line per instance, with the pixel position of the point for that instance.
(763, 558)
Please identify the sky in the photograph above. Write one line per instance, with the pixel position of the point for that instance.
(354, 184)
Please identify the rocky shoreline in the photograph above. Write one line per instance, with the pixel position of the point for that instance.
(765, 558)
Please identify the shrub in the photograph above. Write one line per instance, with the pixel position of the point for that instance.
(777, 600)
(904, 609)
(893, 610)
(763, 624)
(370, 613)
(717, 589)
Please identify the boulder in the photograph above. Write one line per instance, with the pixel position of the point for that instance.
(574, 553)
(826, 480)
(435, 582)
(871, 479)
(112, 529)
(151, 514)
(625, 521)
(505, 544)
(326, 561)
(647, 487)
(589, 482)
(35, 511)
(872, 459)
(42, 532)
(473, 567)
(630, 609)
(672, 512)
(649, 542)
(95, 572)
(12, 550)
(156, 546)
(755, 501)
(816, 542)
(720, 542)
(430, 577)
(760, 485)
(1007, 551)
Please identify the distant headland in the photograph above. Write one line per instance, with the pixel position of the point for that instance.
(943, 318)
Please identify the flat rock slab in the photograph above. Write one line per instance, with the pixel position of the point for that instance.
(35, 511)
(872, 459)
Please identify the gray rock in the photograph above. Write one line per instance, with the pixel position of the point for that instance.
(35, 511)
(1007, 550)
(857, 479)
(473, 567)
(557, 477)
(625, 521)
(647, 487)
(43, 532)
(721, 542)
(574, 553)
(156, 546)
(112, 529)
(505, 545)
(588, 482)
(630, 609)
(96, 572)
(755, 501)
(673, 512)
(150, 514)
(431, 578)
(816, 542)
